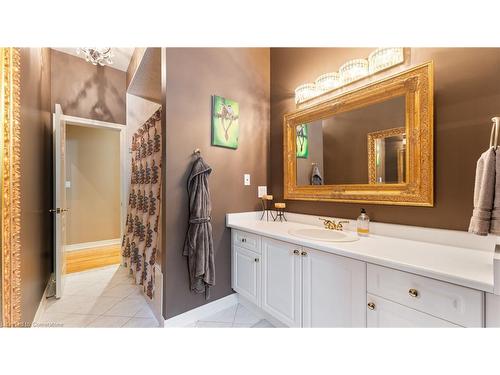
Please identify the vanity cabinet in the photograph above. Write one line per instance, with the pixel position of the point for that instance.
(281, 281)
(334, 290)
(303, 287)
(383, 313)
(437, 299)
(246, 275)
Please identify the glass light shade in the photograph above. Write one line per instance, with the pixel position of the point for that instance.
(353, 70)
(327, 82)
(383, 58)
(304, 92)
(96, 55)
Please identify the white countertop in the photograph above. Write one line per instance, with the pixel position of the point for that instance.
(458, 265)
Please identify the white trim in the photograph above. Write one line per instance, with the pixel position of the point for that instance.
(86, 122)
(89, 123)
(89, 245)
(191, 316)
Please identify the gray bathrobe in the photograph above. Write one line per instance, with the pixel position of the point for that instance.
(199, 246)
(316, 178)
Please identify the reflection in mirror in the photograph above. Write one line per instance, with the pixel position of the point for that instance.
(336, 150)
(386, 156)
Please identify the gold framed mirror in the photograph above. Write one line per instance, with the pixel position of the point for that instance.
(386, 156)
(373, 144)
(10, 254)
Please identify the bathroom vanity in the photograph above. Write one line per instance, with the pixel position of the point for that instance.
(400, 276)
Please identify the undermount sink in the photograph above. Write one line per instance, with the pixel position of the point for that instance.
(320, 234)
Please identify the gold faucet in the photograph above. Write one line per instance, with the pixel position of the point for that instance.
(331, 224)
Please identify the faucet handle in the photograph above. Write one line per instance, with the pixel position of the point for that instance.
(340, 222)
(328, 224)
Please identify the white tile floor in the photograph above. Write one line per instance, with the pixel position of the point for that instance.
(104, 297)
(237, 316)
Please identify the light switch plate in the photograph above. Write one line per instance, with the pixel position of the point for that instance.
(67, 184)
(261, 190)
(246, 179)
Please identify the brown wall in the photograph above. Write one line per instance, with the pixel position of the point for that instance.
(86, 90)
(36, 180)
(466, 96)
(193, 75)
(316, 154)
(345, 139)
(93, 168)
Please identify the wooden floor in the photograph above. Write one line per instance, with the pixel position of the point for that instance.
(82, 260)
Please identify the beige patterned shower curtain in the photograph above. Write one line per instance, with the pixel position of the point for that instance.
(141, 240)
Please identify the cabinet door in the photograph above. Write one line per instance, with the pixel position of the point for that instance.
(246, 274)
(382, 313)
(281, 281)
(334, 290)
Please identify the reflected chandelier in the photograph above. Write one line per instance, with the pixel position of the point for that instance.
(96, 56)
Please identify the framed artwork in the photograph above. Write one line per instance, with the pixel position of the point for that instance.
(302, 141)
(225, 124)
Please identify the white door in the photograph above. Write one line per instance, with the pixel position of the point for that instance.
(382, 313)
(246, 274)
(334, 290)
(59, 210)
(281, 281)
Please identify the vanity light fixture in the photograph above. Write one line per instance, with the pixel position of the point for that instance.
(96, 55)
(383, 58)
(353, 70)
(327, 82)
(304, 92)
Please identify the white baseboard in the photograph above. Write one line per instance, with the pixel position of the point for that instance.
(191, 316)
(89, 245)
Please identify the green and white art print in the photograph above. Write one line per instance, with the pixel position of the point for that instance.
(302, 141)
(225, 124)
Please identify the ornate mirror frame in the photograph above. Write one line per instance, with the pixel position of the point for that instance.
(417, 85)
(372, 152)
(10, 187)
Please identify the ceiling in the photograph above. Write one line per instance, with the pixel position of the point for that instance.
(121, 56)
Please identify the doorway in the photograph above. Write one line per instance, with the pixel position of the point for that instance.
(93, 197)
(93, 288)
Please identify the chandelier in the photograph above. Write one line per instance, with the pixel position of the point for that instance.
(96, 56)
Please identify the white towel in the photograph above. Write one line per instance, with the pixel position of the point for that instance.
(484, 195)
(495, 214)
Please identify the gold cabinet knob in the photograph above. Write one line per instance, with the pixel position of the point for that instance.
(303, 253)
(296, 252)
(256, 260)
(413, 293)
(371, 305)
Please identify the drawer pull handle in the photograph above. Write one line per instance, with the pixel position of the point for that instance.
(296, 252)
(413, 293)
(256, 260)
(303, 253)
(371, 305)
(243, 240)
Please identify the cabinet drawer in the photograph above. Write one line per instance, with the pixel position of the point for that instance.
(383, 313)
(246, 240)
(457, 304)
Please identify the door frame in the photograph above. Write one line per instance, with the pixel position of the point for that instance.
(89, 123)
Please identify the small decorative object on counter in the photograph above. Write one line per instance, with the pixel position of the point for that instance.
(265, 209)
(363, 224)
(280, 211)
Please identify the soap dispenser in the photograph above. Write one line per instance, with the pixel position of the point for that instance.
(363, 224)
